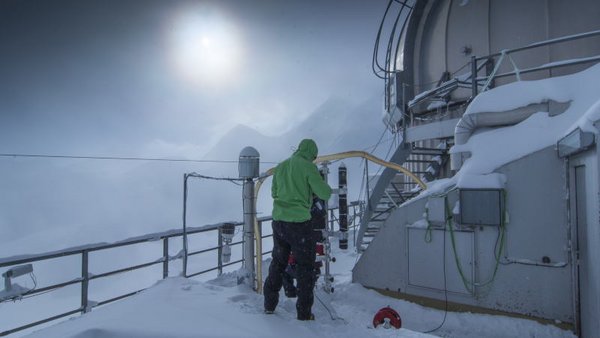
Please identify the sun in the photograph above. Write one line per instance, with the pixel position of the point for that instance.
(204, 46)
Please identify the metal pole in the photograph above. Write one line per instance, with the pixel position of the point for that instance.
(329, 230)
(369, 208)
(84, 281)
(165, 257)
(185, 246)
(249, 216)
(473, 76)
(343, 204)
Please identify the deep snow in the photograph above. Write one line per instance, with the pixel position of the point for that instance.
(178, 307)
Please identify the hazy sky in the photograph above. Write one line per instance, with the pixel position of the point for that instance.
(168, 78)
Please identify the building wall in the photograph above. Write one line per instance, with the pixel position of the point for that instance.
(399, 258)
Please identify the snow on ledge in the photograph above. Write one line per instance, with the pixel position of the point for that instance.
(492, 148)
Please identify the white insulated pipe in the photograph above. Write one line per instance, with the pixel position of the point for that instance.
(470, 122)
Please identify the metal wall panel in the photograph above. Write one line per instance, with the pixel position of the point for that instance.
(568, 18)
(468, 28)
(537, 227)
(426, 260)
(516, 23)
(489, 26)
(431, 54)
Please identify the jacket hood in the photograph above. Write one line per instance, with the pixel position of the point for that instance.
(307, 149)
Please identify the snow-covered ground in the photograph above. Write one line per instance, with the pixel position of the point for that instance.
(179, 307)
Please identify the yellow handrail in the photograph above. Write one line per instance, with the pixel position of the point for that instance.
(320, 159)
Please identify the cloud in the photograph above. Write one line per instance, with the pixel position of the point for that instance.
(159, 148)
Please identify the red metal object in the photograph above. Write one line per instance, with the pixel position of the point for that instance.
(320, 249)
(291, 259)
(387, 317)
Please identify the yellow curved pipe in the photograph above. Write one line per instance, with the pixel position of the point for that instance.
(374, 159)
(320, 159)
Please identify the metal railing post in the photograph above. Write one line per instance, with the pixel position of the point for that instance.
(259, 236)
(165, 257)
(185, 244)
(84, 281)
(219, 252)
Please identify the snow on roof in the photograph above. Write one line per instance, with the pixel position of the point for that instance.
(578, 87)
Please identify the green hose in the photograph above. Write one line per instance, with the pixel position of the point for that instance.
(469, 285)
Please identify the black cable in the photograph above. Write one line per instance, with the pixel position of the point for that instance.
(388, 55)
(379, 141)
(498, 259)
(228, 179)
(445, 289)
(375, 61)
(39, 294)
(390, 44)
(34, 280)
(401, 32)
(117, 158)
(385, 158)
(325, 306)
(333, 317)
(376, 67)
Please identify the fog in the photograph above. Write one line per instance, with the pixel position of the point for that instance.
(195, 80)
(117, 78)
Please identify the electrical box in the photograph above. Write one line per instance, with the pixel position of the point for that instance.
(436, 210)
(481, 206)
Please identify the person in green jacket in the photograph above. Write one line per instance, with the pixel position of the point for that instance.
(295, 180)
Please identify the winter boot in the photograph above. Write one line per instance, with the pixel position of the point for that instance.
(309, 317)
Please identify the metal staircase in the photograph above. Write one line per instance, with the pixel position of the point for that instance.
(391, 188)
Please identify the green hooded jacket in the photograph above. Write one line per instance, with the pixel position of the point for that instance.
(295, 180)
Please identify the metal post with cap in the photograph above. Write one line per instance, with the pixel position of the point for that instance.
(248, 170)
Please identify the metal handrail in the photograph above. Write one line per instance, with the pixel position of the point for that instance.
(86, 276)
(476, 67)
(507, 52)
(544, 43)
(550, 65)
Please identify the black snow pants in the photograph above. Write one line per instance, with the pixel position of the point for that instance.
(299, 238)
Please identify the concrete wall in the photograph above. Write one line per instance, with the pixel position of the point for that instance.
(400, 260)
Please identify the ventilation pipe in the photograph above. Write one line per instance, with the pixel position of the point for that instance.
(470, 122)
